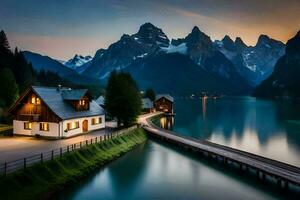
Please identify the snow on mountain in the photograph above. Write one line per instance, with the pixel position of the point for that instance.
(130, 48)
(182, 49)
(253, 63)
(78, 63)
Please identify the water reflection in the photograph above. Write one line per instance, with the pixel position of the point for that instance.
(167, 122)
(257, 126)
(156, 171)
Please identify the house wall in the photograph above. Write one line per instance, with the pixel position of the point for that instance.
(164, 105)
(57, 130)
(18, 128)
(73, 132)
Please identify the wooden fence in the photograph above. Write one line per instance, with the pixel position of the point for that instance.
(23, 163)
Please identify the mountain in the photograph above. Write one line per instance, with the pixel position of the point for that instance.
(121, 54)
(40, 62)
(78, 63)
(200, 49)
(177, 74)
(139, 53)
(284, 81)
(253, 63)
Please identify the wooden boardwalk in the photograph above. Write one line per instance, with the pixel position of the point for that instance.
(283, 173)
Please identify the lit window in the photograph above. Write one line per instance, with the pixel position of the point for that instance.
(82, 102)
(38, 101)
(27, 125)
(44, 126)
(35, 100)
(96, 121)
(72, 125)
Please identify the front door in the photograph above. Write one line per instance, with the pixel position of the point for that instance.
(85, 126)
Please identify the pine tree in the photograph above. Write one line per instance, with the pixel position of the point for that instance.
(5, 53)
(122, 100)
(22, 70)
(8, 87)
(150, 94)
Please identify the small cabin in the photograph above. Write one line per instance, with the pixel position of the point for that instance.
(56, 112)
(164, 103)
(147, 105)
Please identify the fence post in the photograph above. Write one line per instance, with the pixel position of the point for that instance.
(91, 140)
(68, 148)
(86, 142)
(24, 163)
(41, 158)
(80, 145)
(96, 139)
(75, 146)
(60, 152)
(5, 168)
(52, 155)
(72, 147)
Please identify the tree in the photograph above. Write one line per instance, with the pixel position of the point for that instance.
(150, 94)
(5, 53)
(8, 87)
(122, 99)
(22, 70)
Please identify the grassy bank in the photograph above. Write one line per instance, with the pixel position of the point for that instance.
(156, 119)
(42, 180)
(4, 127)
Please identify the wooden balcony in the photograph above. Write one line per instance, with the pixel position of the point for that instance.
(29, 117)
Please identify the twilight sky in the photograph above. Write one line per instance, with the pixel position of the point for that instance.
(62, 28)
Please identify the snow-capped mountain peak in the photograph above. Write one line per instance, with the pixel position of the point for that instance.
(79, 63)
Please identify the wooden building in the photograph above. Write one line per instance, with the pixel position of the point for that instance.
(56, 112)
(164, 103)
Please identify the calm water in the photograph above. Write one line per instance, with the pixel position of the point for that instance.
(259, 126)
(158, 171)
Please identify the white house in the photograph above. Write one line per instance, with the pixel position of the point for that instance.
(56, 112)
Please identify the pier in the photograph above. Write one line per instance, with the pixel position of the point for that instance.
(283, 173)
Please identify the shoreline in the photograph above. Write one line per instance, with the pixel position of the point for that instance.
(43, 181)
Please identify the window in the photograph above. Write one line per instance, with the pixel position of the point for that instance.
(35, 100)
(96, 120)
(27, 125)
(82, 102)
(38, 101)
(72, 125)
(44, 126)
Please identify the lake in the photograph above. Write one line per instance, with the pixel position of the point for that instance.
(264, 127)
(160, 171)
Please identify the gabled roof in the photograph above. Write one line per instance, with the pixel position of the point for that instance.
(167, 96)
(147, 103)
(69, 94)
(100, 100)
(53, 98)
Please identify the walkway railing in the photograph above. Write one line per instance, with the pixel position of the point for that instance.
(23, 163)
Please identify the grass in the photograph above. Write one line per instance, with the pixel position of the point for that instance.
(4, 127)
(156, 119)
(43, 180)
